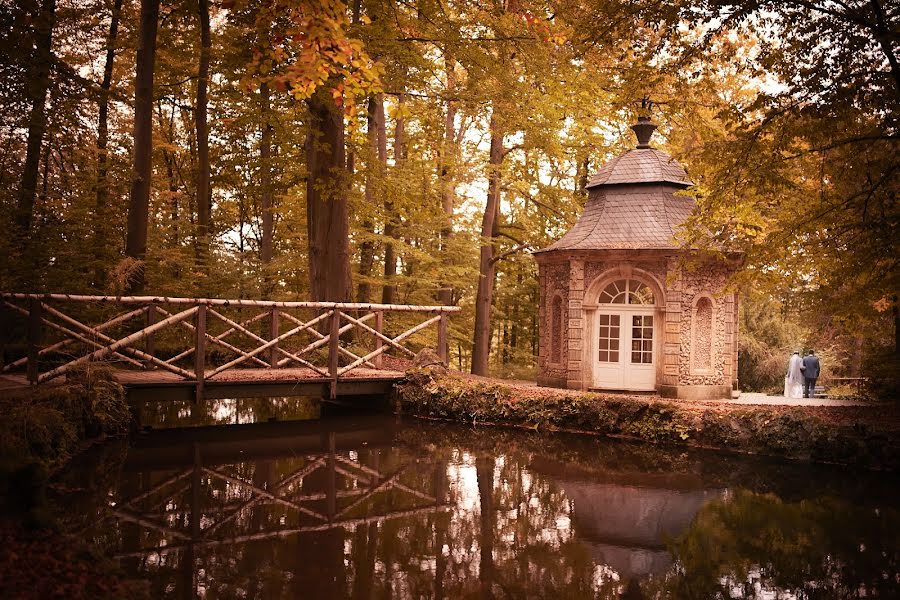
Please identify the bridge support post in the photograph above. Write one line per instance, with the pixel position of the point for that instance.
(150, 342)
(273, 333)
(200, 350)
(379, 325)
(443, 344)
(334, 340)
(34, 338)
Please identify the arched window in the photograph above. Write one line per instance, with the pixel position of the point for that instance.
(556, 333)
(626, 291)
(703, 334)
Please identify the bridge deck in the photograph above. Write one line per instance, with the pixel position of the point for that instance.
(236, 383)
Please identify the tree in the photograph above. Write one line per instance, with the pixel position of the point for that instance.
(44, 17)
(101, 241)
(139, 204)
(204, 195)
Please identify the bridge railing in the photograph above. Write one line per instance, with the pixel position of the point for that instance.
(199, 339)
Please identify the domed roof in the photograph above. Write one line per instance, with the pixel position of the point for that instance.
(633, 202)
(641, 165)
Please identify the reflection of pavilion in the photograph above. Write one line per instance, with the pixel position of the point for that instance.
(625, 519)
(186, 491)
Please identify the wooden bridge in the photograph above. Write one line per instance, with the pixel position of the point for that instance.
(217, 345)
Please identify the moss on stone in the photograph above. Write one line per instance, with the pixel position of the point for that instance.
(794, 433)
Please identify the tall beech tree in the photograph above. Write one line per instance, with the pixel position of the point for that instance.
(328, 224)
(101, 218)
(139, 202)
(204, 194)
(43, 17)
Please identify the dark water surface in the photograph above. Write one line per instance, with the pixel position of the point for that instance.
(372, 507)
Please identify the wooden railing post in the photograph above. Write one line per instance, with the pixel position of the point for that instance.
(334, 341)
(443, 344)
(379, 325)
(150, 342)
(34, 338)
(200, 349)
(273, 333)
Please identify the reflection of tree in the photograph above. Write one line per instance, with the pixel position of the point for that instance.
(824, 547)
(510, 532)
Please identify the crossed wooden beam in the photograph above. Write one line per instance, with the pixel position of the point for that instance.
(268, 353)
(369, 483)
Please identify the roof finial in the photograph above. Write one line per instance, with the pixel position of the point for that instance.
(644, 127)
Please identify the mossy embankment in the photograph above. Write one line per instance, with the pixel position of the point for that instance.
(39, 432)
(858, 436)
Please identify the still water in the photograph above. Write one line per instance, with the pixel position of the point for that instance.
(374, 507)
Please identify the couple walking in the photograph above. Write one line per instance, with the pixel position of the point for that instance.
(801, 376)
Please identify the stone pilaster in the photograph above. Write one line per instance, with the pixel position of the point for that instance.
(574, 367)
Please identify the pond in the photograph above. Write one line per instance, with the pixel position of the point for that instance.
(377, 507)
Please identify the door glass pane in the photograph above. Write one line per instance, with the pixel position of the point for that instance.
(642, 339)
(608, 339)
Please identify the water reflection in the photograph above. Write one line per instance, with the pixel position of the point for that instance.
(169, 412)
(372, 508)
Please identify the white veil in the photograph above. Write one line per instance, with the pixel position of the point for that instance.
(793, 381)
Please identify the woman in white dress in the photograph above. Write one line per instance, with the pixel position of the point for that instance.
(793, 381)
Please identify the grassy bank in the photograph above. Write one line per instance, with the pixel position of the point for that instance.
(866, 437)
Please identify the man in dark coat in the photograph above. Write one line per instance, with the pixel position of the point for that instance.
(810, 368)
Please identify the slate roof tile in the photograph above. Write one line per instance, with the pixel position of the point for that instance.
(641, 165)
(632, 205)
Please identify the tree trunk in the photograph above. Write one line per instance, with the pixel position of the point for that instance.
(204, 194)
(376, 136)
(139, 205)
(481, 349)
(266, 196)
(484, 473)
(448, 189)
(390, 224)
(38, 83)
(583, 174)
(328, 223)
(101, 219)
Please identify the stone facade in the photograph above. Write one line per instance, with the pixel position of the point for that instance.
(695, 332)
(625, 234)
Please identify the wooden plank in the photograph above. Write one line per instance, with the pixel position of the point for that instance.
(443, 345)
(34, 339)
(266, 344)
(378, 334)
(219, 339)
(334, 341)
(126, 341)
(374, 353)
(273, 334)
(134, 352)
(73, 336)
(347, 306)
(150, 342)
(379, 326)
(323, 339)
(200, 349)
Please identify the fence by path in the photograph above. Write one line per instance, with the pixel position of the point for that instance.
(198, 339)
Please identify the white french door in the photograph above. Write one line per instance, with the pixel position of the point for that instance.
(625, 357)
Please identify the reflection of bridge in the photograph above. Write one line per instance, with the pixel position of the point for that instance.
(625, 519)
(170, 341)
(186, 491)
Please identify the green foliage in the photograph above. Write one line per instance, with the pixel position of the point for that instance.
(49, 425)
